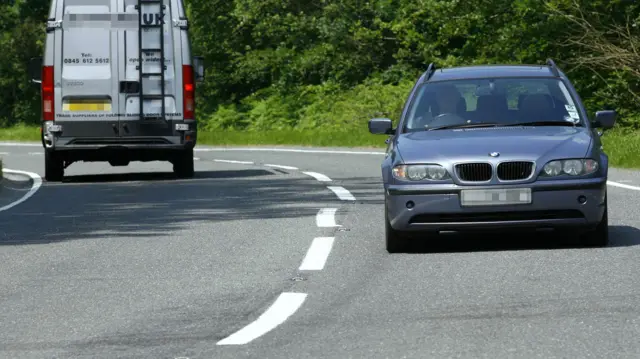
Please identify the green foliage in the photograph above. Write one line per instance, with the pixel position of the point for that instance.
(333, 64)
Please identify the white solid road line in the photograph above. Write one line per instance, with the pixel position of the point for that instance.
(319, 176)
(251, 149)
(282, 166)
(317, 254)
(37, 182)
(622, 185)
(20, 144)
(280, 310)
(238, 162)
(342, 193)
(326, 217)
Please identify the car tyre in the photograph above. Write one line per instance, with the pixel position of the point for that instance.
(396, 241)
(598, 237)
(183, 166)
(53, 166)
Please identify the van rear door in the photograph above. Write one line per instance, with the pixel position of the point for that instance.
(86, 61)
(158, 36)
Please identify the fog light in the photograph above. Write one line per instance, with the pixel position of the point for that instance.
(582, 199)
(410, 204)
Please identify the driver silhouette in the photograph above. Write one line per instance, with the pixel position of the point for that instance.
(441, 99)
(447, 98)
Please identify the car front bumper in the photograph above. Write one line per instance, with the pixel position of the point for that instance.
(554, 204)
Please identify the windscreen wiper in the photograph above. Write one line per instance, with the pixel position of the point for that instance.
(545, 123)
(463, 125)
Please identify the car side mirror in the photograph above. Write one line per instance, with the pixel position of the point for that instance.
(605, 119)
(381, 126)
(198, 68)
(35, 69)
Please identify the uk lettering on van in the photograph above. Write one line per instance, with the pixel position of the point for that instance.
(153, 19)
(126, 20)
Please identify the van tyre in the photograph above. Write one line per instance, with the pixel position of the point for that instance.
(183, 165)
(53, 166)
(598, 237)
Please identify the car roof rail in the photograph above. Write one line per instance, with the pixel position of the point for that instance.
(553, 68)
(430, 70)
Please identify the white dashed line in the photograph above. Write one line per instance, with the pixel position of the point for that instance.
(35, 153)
(283, 167)
(280, 310)
(196, 158)
(622, 185)
(37, 182)
(238, 162)
(326, 217)
(317, 254)
(342, 193)
(4, 153)
(319, 176)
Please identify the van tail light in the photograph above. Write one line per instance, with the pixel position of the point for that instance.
(188, 92)
(48, 106)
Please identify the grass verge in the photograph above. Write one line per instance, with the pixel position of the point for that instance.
(623, 147)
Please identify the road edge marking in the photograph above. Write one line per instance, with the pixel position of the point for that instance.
(21, 144)
(622, 185)
(37, 182)
(230, 149)
(293, 150)
(233, 161)
(317, 254)
(284, 306)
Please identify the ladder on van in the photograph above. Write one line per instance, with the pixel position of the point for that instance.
(147, 51)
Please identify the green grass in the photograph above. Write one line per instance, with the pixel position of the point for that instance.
(20, 133)
(623, 147)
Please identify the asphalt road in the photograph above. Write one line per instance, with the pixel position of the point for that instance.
(129, 262)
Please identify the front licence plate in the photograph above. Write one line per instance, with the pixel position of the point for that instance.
(495, 197)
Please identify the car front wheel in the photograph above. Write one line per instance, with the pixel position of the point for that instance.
(598, 237)
(396, 241)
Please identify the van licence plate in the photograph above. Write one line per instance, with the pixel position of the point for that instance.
(495, 197)
(86, 106)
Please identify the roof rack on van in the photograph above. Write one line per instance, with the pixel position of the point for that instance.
(430, 70)
(553, 67)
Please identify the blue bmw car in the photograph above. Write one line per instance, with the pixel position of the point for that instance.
(491, 148)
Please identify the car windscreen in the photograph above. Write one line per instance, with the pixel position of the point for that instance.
(500, 101)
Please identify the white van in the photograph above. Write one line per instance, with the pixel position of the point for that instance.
(117, 84)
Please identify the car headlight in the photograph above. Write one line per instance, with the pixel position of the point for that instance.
(571, 167)
(420, 172)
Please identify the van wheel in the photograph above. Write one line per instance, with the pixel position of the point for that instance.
(183, 164)
(53, 166)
